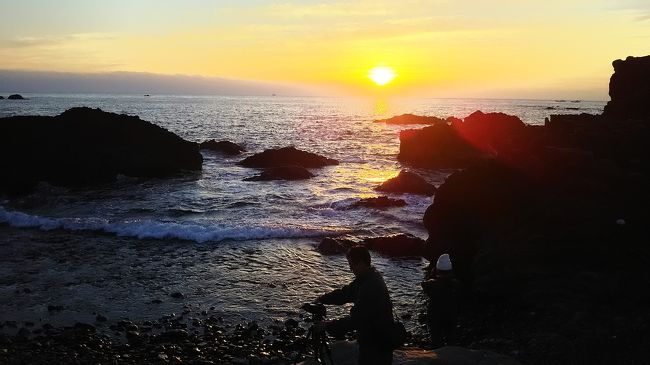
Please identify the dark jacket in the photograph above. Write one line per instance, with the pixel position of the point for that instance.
(443, 292)
(372, 313)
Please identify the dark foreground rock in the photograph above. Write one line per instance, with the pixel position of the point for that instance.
(84, 146)
(1, 97)
(16, 97)
(287, 156)
(411, 119)
(197, 341)
(282, 173)
(550, 242)
(225, 147)
(407, 182)
(207, 340)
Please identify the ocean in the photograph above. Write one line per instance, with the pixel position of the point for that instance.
(242, 250)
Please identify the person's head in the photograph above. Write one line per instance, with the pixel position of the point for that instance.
(359, 259)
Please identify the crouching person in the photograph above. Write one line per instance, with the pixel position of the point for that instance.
(442, 288)
(372, 313)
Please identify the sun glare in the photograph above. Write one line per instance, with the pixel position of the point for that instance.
(381, 75)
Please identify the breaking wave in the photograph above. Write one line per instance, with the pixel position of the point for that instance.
(143, 229)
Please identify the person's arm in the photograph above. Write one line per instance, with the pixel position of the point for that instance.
(339, 296)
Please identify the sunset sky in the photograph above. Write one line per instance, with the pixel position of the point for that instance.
(496, 48)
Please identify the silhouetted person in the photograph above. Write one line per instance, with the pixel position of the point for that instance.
(442, 288)
(372, 313)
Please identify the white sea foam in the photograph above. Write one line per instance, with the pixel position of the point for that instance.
(198, 232)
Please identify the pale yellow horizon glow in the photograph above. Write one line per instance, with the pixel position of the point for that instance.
(502, 48)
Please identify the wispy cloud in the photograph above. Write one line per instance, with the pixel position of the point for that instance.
(29, 41)
(337, 9)
(640, 7)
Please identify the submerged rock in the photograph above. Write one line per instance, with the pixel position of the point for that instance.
(16, 97)
(407, 182)
(287, 156)
(282, 173)
(411, 119)
(85, 146)
(177, 295)
(379, 202)
(226, 147)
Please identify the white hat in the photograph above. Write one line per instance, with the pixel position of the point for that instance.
(444, 263)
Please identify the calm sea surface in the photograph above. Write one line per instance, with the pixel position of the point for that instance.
(245, 248)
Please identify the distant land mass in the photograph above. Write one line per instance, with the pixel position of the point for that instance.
(141, 83)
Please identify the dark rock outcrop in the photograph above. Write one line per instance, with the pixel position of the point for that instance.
(282, 173)
(379, 202)
(411, 119)
(437, 146)
(1, 97)
(493, 133)
(629, 89)
(16, 97)
(407, 182)
(460, 143)
(397, 245)
(84, 146)
(335, 245)
(225, 147)
(287, 156)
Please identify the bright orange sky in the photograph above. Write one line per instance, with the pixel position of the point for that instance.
(443, 48)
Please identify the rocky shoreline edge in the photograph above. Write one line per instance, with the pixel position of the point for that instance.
(192, 337)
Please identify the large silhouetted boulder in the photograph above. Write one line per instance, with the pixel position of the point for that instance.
(629, 89)
(411, 119)
(1, 97)
(459, 143)
(84, 146)
(480, 201)
(491, 132)
(282, 173)
(437, 146)
(287, 156)
(225, 147)
(407, 182)
(16, 97)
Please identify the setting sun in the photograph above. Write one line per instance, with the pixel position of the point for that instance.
(381, 75)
